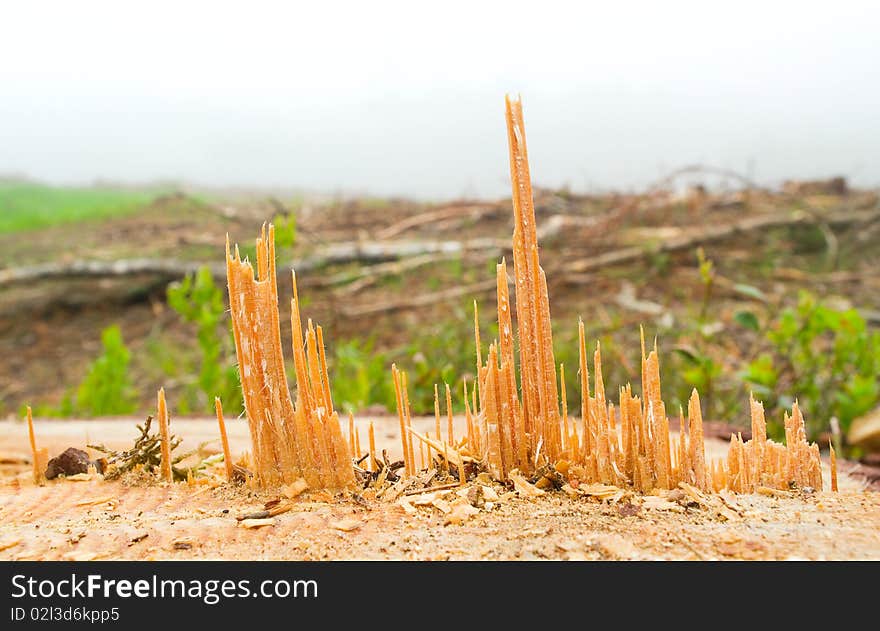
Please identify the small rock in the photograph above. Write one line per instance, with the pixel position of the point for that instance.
(626, 509)
(475, 496)
(71, 462)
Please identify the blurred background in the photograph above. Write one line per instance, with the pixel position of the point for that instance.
(707, 170)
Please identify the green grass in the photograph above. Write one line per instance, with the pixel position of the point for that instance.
(28, 206)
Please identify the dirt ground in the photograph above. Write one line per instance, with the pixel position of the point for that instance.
(96, 519)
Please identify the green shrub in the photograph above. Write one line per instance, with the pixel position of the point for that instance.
(359, 376)
(106, 388)
(825, 358)
(285, 230)
(699, 361)
(443, 353)
(199, 301)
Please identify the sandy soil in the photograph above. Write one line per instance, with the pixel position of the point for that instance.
(97, 519)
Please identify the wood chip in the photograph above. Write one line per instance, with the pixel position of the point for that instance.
(424, 500)
(431, 489)
(322, 496)
(713, 503)
(81, 477)
(693, 493)
(569, 490)
(278, 509)
(257, 523)
(407, 507)
(523, 486)
(295, 488)
(443, 505)
(765, 490)
(489, 494)
(346, 525)
(98, 500)
(655, 502)
(460, 513)
(392, 493)
(602, 491)
(5, 545)
(729, 500)
(455, 458)
(726, 513)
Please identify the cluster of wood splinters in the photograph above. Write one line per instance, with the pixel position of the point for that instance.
(527, 426)
(513, 424)
(291, 439)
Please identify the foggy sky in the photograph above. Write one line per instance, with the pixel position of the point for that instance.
(397, 98)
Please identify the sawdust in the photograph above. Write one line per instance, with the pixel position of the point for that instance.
(79, 521)
(136, 518)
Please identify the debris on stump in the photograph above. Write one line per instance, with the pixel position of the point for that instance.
(345, 525)
(257, 523)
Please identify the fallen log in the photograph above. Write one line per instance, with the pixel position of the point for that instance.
(369, 252)
(334, 254)
(469, 211)
(357, 279)
(421, 300)
(718, 232)
(169, 268)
